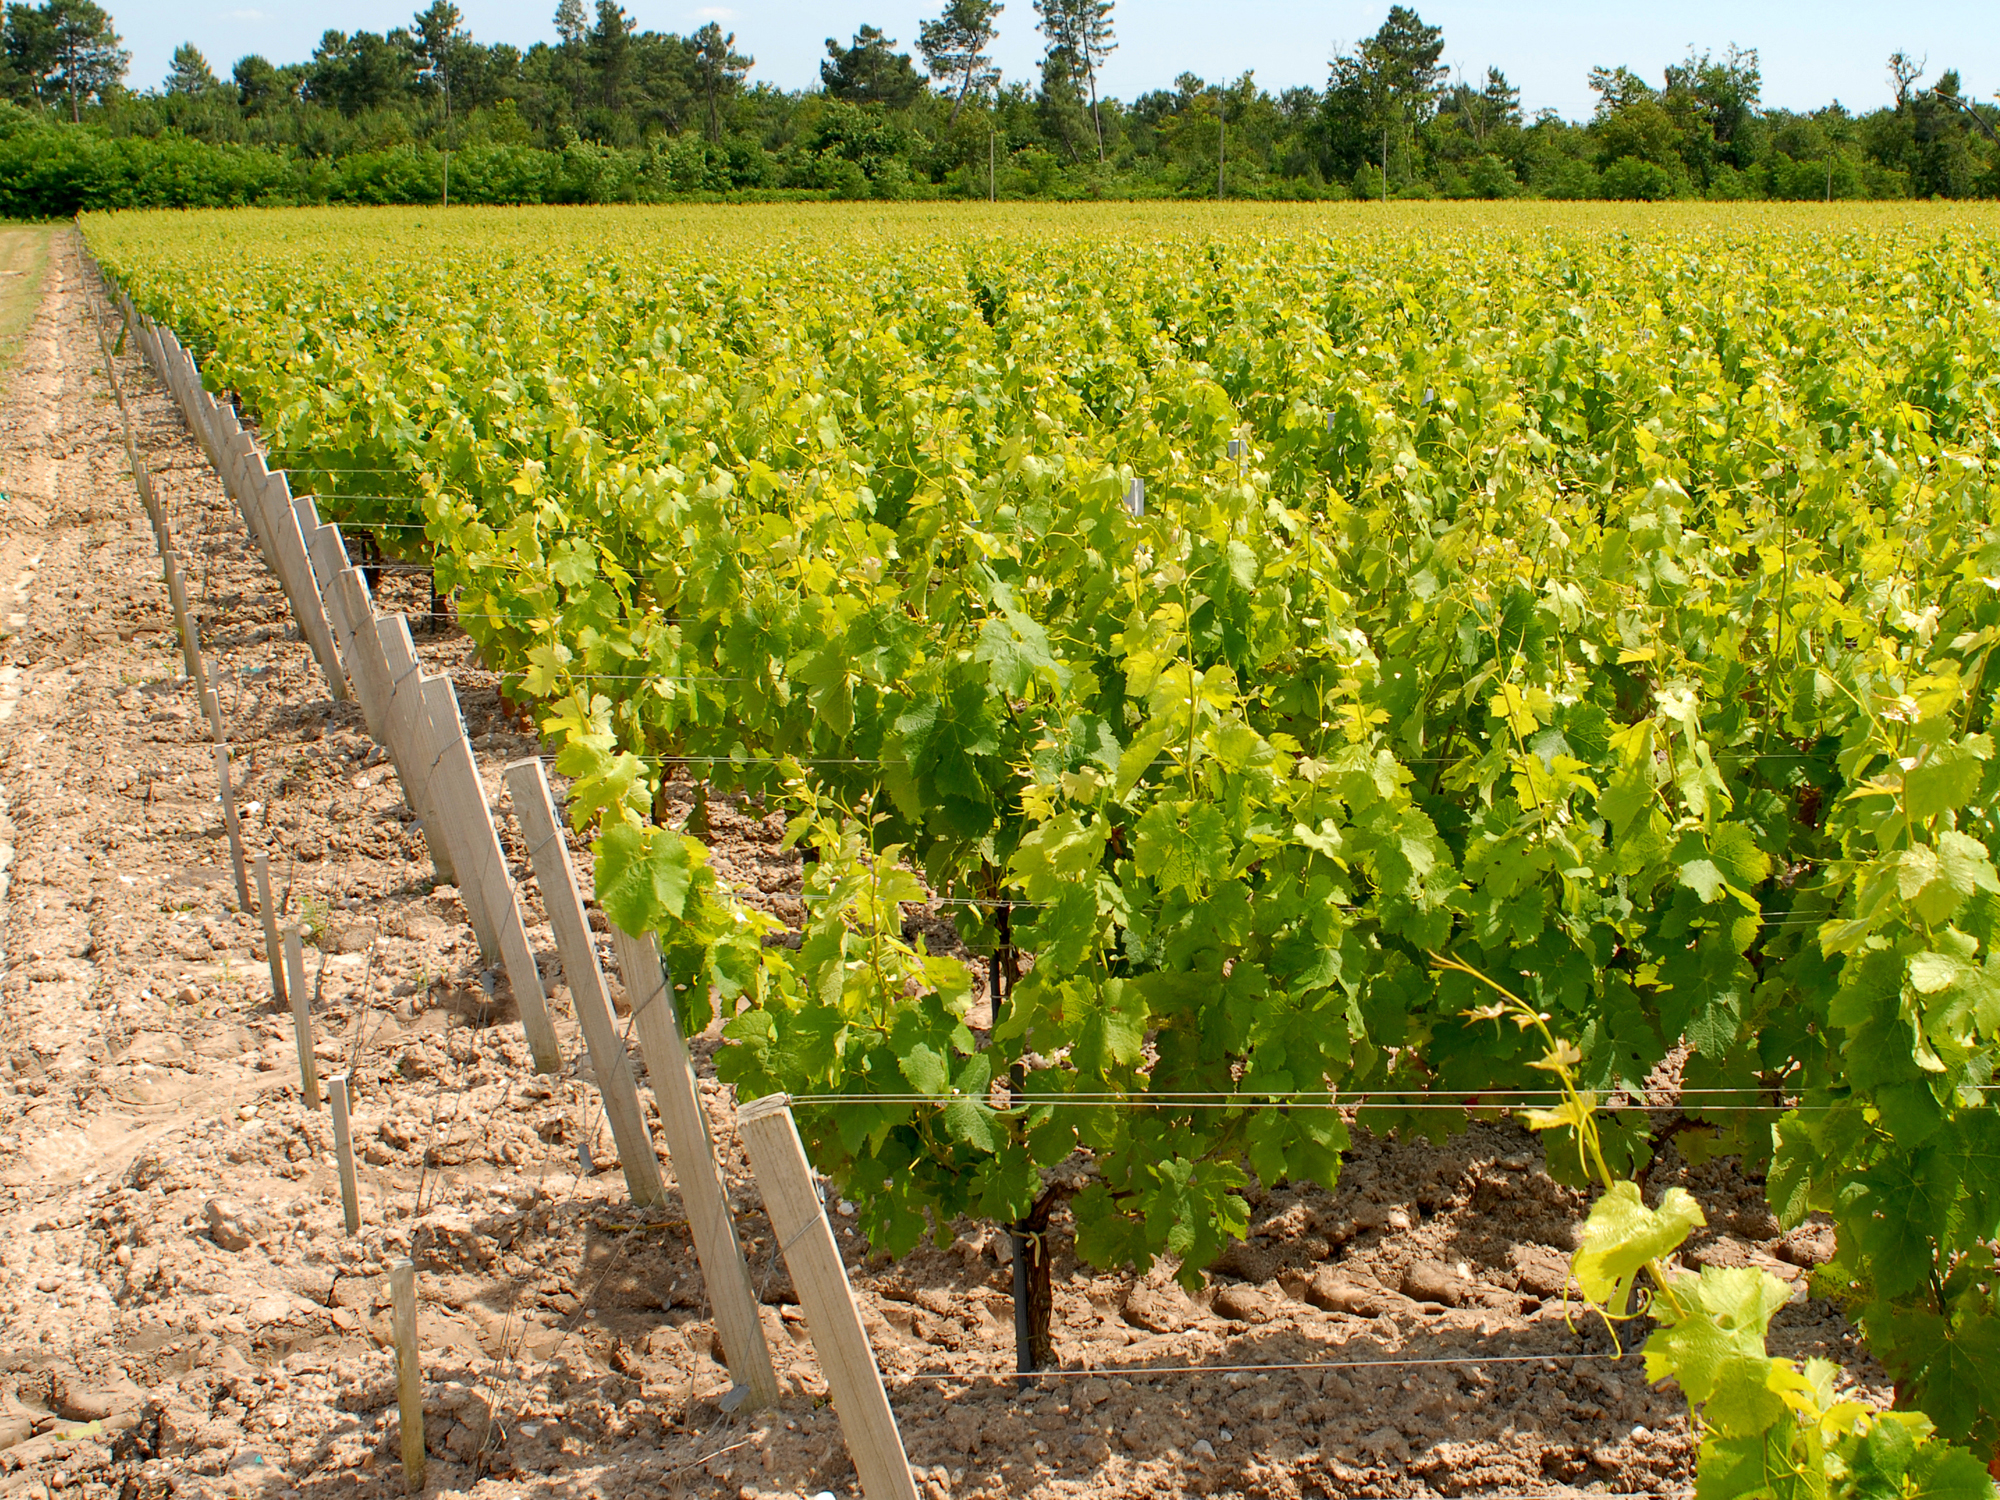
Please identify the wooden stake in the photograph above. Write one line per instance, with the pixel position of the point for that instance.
(211, 704)
(548, 852)
(798, 1219)
(234, 469)
(691, 1150)
(183, 617)
(273, 946)
(348, 615)
(343, 1151)
(271, 497)
(410, 720)
(295, 966)
(231, 826)
(437, 730)
(461, 796)
(409, 1374)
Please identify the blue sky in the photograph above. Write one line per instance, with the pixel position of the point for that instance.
(1811, 52)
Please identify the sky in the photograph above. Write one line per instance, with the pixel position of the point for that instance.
(1811, 52)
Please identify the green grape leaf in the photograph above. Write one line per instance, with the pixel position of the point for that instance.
(1709, 1322)
(1704, 877)
(1182, 846)
(1941, 1472)
(1744, 1396)
(1629, 790)
(1016, 651)
(1950, 1365)
(643, 875)
(971, 1123)
(1732, 1468)
(1109, 1026)
(925, 1069)
(1946, 779)
(1622, 1234)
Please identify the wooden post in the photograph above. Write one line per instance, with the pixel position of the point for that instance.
(363, 642)
(435, 731)
(462, 799)
(271, 497)
(409, 1373)
(343, 1151)
(295, 965)
(348, 616)
(231, 826)
(183, 616)
(691, 1150)
(409, 720)
(273, 945)
(548, 852)
(798, 1220)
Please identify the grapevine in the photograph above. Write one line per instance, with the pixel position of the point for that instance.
(1605, 601)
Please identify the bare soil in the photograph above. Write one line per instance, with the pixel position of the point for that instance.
(180, 1311)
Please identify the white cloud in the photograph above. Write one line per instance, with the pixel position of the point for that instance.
(243, 15)
(715, 13)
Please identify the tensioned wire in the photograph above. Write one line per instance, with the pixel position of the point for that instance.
(1283, 1367)
(1468, 1099)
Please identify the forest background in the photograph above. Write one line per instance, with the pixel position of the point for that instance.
(612, 113)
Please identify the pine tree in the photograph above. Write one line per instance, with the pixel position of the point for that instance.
(955, 46)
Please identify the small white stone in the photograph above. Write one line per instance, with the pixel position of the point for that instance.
(1204, 1447)
(1641, 1432)
(1227, 1436)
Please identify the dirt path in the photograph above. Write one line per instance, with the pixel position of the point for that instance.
(172, 1265)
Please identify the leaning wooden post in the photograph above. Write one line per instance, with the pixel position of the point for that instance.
(226, 794)
(177, 600)
(295, 966)
(343, 1152)
(548, 852)
(406, 721)
(273, 946)
(486, 885)
(691, 1150)
(409, 1373)
(798, 1220)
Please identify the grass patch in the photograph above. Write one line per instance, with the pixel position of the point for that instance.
(24, 255)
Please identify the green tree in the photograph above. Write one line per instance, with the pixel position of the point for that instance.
(1387, 87)
(870, 71)
(608, 51)
(441, 43)
(719, 71)
(190, 73)
(63, 50)
(1080, 37)
(260, 87)
(363, 71)
(1484, 111)
(955, 46)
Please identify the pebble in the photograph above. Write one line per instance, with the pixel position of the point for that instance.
(1204, 1448)
(225, 1225)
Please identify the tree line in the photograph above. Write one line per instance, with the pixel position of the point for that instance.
(611, 112)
